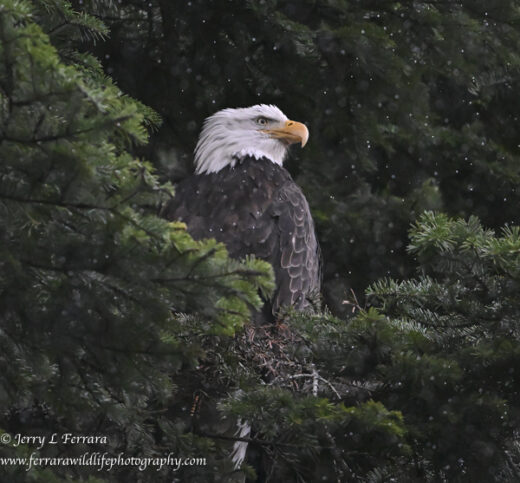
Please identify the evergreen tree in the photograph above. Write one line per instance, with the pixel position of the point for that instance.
(95, 292)
(443, 349)
(452, 367)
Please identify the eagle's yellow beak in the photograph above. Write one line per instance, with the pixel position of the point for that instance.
(292, 132)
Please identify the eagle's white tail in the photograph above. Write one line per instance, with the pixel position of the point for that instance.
(240, 447)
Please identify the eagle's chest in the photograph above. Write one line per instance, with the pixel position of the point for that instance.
(237, 206)
(256, 209)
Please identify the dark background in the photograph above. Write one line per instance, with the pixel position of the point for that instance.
(410, 106)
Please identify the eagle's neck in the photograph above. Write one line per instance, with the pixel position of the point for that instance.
(214, 157)
(257, 154)
(218, 148)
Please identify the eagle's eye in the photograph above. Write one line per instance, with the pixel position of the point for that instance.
(262, 121)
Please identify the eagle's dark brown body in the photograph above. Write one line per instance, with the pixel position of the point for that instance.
(256, 208)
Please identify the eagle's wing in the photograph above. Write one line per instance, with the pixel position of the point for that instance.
(255, 208)
(298, 259)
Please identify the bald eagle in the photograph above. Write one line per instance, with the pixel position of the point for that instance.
(242, 196)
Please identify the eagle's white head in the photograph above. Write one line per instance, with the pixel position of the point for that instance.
(259, 131)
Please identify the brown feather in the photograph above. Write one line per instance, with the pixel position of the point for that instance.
(256, 208)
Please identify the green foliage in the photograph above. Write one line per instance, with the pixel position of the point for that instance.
(454, 372)
(93, 285)
(302, 434)
(443, 349)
